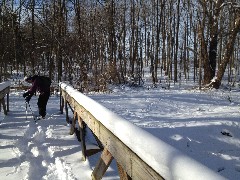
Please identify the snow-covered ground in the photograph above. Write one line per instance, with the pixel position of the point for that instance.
(205, 125)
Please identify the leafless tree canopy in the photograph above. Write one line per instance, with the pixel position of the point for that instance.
(92, 43)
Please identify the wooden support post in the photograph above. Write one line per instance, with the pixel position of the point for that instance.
(82, 137)
(122, 174)
(102, 165)
(66, 111)
(98, 141)
(61, 107)
(7, 102)
(61, 102)
(72, 130)
(2, 101)
(90, 152)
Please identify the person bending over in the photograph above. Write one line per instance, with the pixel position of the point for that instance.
(42, 85)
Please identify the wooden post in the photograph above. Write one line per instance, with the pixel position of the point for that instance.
(61, 102)
(2, 101)
(102, 165)
(7, 102)
(72, 130)
(62, 105)
(82, 137)
(122, 174)
(98, 141)
(66, 111)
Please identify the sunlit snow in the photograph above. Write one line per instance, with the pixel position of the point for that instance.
(202, 124)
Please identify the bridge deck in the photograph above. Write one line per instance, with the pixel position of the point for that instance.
(42, 150)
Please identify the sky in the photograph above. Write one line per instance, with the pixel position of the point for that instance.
(203, 125)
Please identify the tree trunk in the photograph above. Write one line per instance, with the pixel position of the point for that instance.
(213, 24)
(227, 53)
(32, 55)
(176, 42)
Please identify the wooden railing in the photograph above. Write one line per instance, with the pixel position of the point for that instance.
(19, 85)
(4, 91)
(139, 155)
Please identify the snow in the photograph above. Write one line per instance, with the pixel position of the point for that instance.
(160, 162)
(202, 125)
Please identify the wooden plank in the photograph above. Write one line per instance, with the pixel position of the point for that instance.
(102, 165)
(141, 170)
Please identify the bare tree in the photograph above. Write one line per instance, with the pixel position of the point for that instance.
(228, 51)
(101, 42)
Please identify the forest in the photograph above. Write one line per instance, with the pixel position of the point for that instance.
(93, 43)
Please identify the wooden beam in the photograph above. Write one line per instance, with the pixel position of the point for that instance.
(102, 165)
(90, 152)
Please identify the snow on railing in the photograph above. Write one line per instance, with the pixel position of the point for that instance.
(4, 85)
(164, 159)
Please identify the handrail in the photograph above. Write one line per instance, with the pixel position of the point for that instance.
(4, 90)
(137, 158)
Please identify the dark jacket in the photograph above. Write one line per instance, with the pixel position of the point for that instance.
(39, 85)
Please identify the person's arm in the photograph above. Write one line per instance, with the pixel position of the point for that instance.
(33, 89)
(27, 95)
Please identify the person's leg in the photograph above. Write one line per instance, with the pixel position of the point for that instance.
(42, 103)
